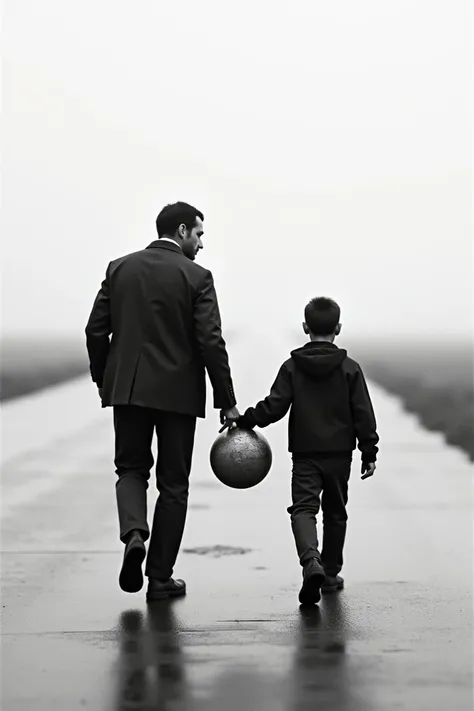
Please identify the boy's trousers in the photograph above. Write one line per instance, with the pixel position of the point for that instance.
(312, 476)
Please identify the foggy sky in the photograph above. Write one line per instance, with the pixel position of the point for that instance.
(328, 145)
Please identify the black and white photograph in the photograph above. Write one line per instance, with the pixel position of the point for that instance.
(236, 348)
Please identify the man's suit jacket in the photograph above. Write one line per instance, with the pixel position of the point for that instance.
(162, 312)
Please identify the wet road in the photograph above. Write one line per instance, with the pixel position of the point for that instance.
(398, 637)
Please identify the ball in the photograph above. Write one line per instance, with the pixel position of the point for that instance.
(241, 458)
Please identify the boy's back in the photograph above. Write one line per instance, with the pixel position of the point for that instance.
(330, 407)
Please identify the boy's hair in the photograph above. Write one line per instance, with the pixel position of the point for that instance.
(172, 216)
(322, 316)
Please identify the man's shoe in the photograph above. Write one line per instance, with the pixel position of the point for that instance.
(332, 583)
(313, 577)
(131, 576)
(158, 590)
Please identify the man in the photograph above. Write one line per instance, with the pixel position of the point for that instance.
(162, 313)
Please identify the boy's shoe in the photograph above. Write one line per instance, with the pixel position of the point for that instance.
(313, 577)
(332, 583)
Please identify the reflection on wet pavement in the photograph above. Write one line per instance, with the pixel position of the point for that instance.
(160, 664)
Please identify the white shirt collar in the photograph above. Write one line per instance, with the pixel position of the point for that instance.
(168, 239)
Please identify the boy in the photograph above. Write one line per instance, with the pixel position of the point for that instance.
(330, 410)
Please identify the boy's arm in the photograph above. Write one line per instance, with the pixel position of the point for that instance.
(364, 418)
(274, 407)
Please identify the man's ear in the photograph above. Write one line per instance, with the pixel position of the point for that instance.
(305, 328)
(338, 329)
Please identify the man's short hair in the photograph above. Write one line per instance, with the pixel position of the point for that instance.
(172, 216)
(322, 316)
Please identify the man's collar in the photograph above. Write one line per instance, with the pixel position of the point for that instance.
(169, 239)
(165, 243)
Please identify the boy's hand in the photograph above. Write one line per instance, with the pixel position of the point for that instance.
(228, 417)
(368, 469)
(244, 423)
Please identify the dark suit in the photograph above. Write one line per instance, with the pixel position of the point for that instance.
(161, 310)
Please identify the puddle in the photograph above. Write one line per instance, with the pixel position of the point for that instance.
(217, 551)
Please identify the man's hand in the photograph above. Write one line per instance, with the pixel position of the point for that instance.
(228, 417)
(368, 469)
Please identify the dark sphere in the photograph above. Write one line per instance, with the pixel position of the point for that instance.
(241, 458)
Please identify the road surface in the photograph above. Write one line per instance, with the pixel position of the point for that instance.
(398, 637)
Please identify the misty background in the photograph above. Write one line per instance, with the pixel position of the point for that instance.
(328, 145)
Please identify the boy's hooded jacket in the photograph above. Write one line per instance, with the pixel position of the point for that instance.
(330, 404)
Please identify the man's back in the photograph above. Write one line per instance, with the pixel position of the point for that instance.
(165, 326)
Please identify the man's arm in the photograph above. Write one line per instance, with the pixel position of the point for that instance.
(364, 418)
(274, 407)
(208, 331)
(98, 330)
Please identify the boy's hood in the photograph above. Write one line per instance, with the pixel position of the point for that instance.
(318, 359)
